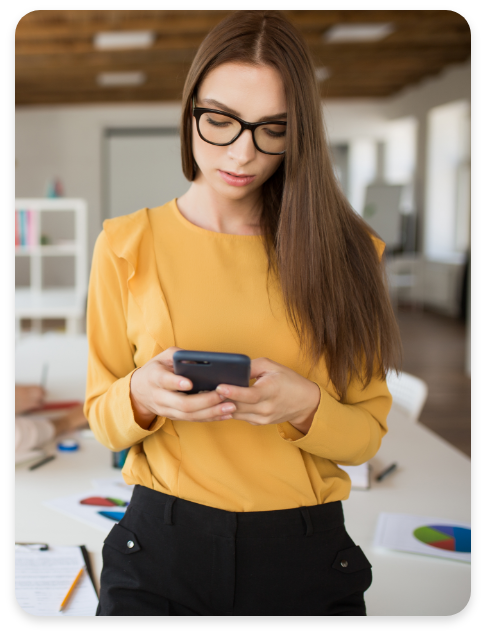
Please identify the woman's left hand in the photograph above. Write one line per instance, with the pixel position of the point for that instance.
(278, 395)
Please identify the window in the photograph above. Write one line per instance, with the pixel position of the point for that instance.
(447, 195)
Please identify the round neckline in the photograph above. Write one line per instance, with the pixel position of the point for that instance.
(201, 230)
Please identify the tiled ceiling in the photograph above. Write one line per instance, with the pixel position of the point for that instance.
(57, 62)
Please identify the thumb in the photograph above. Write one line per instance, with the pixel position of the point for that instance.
(260, 366)
(166, 357)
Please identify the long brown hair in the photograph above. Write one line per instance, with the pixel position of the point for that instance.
(332, 280)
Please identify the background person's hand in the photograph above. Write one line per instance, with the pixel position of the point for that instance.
(278, 395)
(155, 391)
(28, 397)
(71, 421)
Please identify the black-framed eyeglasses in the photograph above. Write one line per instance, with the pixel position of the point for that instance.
(222, 129)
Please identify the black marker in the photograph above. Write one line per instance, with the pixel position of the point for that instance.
(42, 462)
(386, 472)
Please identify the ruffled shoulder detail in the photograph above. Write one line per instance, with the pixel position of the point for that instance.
(379, 245)
(130, 237)
(124, 234)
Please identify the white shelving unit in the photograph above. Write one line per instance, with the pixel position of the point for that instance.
(40, 300)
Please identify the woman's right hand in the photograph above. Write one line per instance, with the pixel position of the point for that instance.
(154, 391)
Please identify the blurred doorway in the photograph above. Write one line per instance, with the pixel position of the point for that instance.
(142, 168)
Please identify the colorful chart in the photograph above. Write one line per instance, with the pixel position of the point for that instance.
(111, 514)
(107, 502)
(452, 538)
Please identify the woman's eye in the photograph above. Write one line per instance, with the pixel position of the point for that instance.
(274, 133)
(219, 124)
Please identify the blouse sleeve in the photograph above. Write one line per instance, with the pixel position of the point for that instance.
(108, 406)
(346, 433)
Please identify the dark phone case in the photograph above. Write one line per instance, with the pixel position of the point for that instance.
(212, 368)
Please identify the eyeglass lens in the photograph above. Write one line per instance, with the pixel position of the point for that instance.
(220, 129)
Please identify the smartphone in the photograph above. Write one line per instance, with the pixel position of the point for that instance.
(208, 369)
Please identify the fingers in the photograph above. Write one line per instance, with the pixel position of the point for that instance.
(199, 407)
(192, 406)
(248, 395)
(28, 397)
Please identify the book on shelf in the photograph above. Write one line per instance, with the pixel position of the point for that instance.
(25, 228)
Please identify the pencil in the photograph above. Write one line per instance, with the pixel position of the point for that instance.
(70, 591)
(42, 462)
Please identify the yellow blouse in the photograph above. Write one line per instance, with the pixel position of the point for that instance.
(157, 281)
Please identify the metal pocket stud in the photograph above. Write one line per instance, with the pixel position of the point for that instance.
(130, 544)
(344, 564)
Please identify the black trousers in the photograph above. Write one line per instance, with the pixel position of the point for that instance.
(168, 556)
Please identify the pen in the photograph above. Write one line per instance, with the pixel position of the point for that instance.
(42, 462)
(386, 472)
(70, 591)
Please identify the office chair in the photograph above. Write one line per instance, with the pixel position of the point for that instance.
(408, 392)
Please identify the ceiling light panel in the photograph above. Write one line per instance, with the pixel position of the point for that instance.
(358, 32)
(322, 73)
(131, 78)
(123, 40)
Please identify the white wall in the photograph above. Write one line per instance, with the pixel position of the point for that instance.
(66, 142)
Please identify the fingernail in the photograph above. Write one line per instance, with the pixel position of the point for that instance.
(228, 408)
(185, 384)
(227, 417)
(222, 390)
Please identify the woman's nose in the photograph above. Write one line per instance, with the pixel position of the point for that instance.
(243, 149)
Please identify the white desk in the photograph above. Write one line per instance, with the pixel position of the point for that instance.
(433, 479)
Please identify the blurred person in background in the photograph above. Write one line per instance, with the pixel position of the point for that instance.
(237, 506)
(33, 430)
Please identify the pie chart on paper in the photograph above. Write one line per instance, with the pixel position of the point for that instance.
(452, 538)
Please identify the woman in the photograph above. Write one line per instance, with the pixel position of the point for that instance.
(237, 505)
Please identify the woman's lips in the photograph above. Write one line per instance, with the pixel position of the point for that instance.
(233, 180)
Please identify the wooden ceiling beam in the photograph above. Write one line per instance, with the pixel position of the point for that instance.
(89, 84)
(77, 46)
(58, 24)
(354, 79)
(121, 96)
(165, 96)
(321, 54)
(313, 18)
(376, 68)
(169, 25)
(80, 46)
(107, 59)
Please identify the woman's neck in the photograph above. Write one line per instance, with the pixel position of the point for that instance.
(208, 209)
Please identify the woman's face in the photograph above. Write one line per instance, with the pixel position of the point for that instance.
(253, 94)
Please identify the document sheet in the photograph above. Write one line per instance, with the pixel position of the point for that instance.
(430, 536)
(43, 578)
(360, 475)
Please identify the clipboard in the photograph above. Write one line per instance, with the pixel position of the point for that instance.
(43, 575)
